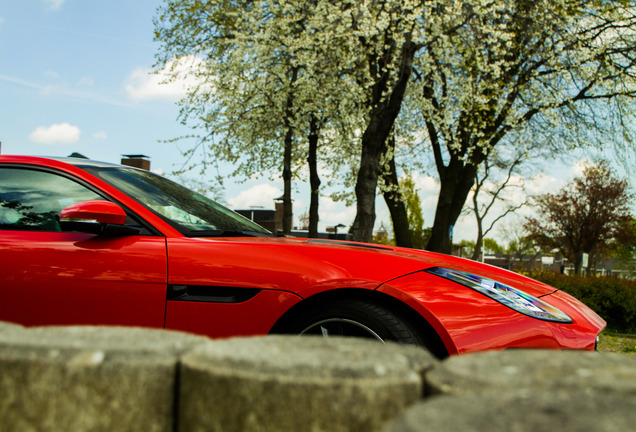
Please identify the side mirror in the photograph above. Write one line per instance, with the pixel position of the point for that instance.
(95, 217)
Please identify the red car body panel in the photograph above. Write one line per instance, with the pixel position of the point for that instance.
(299, 265)
(468, 322)
(217, 320)
(71, 278)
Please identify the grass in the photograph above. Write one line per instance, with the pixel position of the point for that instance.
(619, 343)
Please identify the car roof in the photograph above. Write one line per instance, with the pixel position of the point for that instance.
(75, 161)
(83, 162)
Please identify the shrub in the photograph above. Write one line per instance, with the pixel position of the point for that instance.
(612, 298)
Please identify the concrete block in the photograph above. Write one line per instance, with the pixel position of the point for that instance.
(530, 371)
(287, 383)
(9, 327)
(542, 411)
(90, 378)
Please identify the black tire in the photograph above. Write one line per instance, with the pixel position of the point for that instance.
(355, 318)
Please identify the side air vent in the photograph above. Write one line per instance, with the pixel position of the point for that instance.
(210, 294)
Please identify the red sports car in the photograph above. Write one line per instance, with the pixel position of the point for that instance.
(85, 242)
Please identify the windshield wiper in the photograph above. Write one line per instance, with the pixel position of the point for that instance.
(224, 233)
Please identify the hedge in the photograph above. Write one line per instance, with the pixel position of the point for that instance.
(612, 298)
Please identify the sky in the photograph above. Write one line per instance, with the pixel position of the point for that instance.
(76, 76)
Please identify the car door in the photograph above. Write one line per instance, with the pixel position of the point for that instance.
(52, 277)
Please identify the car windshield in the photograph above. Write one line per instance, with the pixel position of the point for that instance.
(192, 213)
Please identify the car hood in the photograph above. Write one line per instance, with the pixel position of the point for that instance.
(374, 263)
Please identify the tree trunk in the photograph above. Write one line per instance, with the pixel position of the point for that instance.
(314, 179)
(287, 182)
(456, 180)
(288, 143)
(480, 227)
(578, 264)
(394, 200)
(381, 120)
(366, 183)
(479, 245)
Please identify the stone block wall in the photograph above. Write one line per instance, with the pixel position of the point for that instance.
(132, 379)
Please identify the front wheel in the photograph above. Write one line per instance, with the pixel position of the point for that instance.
(355, 318)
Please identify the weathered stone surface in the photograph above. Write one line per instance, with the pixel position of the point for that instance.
(542, 411)
(280, 384)
(90, 378)
(529, 371)
(9, 327)
(129, 379)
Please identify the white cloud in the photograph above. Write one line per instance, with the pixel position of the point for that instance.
(144, 85)
(100, 135)
(262, 195)
(54, 4)
(86, 82)
(1, 19)
(333, 213)
(62, 133)
(576, 170)
(426, 183)
(543, 183)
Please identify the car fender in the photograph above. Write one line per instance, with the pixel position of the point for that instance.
(466, 320)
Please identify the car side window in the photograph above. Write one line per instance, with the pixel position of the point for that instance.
(32, 200)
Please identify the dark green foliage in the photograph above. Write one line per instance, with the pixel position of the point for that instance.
(612, 298)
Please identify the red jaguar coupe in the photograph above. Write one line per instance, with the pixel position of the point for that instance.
(84, 242)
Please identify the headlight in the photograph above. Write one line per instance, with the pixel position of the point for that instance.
(506, 295)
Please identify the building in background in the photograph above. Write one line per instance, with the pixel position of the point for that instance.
(136, 160)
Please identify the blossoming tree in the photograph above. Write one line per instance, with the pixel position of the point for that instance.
(475, 74)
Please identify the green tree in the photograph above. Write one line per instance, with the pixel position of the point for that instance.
(491, 246)
(261, 90)
(586, 216)
(414, 211)
(564, 68)
(274, 66)
(476, 74)
(625, 246)
(466, 248)
(519, 247)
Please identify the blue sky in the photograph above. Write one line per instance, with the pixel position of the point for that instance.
(75, 77)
